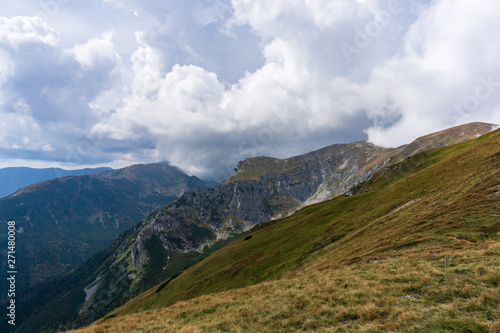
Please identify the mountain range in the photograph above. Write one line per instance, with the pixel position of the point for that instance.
(204, 220)
(63, 221)
(415, 248)
(15, 178)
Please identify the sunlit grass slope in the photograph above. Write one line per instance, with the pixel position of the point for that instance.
(371, 262)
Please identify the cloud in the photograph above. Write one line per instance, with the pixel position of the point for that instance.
(445, 60)
(24, 30)
(204, 84)
(97, 51)
(300, 99)
(189, 110)
(45, 88)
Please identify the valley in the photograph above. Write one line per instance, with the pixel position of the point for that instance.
(62, 222)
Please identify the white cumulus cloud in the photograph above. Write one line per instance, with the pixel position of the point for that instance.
(20, 30)
(207, 83)
(96, 51)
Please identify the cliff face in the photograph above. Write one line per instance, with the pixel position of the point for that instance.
(261, 189)
(201, 217)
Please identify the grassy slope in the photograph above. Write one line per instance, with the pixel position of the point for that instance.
(370, 262)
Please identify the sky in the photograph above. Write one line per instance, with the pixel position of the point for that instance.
(204, 84)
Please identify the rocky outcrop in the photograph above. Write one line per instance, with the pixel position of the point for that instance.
(203, 216)
(264, 188)
(255, 194)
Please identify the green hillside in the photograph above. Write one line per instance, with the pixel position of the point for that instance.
(369, 262)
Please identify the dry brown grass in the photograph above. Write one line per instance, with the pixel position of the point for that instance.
(408, 290)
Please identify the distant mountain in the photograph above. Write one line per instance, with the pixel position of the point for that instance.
(62, 222)
(12, 179)
(203, 220)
